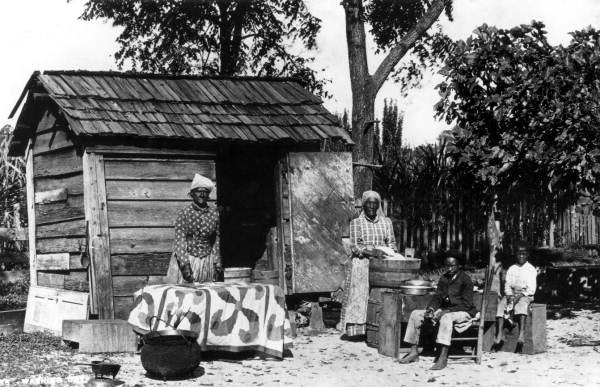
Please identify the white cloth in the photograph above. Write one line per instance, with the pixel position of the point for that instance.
(521, 280)
(201, 182)
(370, 195)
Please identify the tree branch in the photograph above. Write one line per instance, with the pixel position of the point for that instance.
(407, 42)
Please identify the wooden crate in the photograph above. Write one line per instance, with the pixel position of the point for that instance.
(100, 336)
(535, 332)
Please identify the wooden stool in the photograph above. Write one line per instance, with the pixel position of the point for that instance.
(100, 336)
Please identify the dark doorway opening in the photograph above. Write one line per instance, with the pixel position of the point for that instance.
(246, 197)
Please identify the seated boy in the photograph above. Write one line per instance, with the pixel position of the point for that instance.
(519, 288)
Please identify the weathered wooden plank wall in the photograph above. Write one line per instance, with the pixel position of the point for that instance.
(59, 209)
(143, 198)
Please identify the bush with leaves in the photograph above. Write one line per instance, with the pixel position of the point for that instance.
(527, 118)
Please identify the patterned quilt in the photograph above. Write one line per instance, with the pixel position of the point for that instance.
(228, 316)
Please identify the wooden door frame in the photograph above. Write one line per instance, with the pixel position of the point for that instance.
(96, 216)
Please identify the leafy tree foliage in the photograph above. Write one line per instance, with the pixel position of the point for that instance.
(526, 115)
(227, 37)
(391, 20)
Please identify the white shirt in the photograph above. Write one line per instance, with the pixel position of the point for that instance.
(521, 279)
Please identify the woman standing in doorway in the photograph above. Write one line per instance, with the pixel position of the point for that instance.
(196, 255)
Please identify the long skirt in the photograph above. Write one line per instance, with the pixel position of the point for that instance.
(356, 298)
(202, 269)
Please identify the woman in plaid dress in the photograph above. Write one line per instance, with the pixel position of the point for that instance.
(369, 230)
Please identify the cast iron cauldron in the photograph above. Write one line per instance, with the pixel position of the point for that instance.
(170, 353)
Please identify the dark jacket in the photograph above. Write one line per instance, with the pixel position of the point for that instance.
(455, 295)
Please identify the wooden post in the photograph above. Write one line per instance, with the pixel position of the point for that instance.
(31, 213)
(494, 241)
(99, 240)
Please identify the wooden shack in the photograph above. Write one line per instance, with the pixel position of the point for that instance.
(110, 157)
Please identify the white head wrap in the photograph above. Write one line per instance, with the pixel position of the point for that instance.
(370, 195)
(201, 182)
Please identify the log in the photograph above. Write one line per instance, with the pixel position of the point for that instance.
(144, 213)
(127, 285)
(51, 279)
(47, 122)
(150, 190)
(135, 150)
(56, 164)
(61, 245)
(182, 170)
(72, 183)
(56, 261)
(55, 195)
(68, 228)
(61, 211)
(141, 240)
(79, 261)
(140, 264)
(122, 306)
(78, 281)
(52, 141)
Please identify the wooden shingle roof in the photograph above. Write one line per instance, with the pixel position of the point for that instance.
(189, 107)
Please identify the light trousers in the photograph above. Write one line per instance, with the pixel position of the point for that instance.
(446, 324)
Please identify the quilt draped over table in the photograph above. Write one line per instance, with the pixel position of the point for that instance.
(228, 317)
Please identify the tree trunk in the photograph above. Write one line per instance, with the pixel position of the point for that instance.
(365, 87)
(363, 98)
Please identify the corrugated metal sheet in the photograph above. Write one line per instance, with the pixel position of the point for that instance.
(142, 105)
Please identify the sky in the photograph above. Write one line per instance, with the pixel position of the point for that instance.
(47, 35)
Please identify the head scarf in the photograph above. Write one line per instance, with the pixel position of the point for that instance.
(201, 182)
(372, 195)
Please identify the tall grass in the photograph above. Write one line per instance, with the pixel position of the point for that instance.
(12, 192)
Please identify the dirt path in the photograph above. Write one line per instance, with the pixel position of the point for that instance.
(325, 360)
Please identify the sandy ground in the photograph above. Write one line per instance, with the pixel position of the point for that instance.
(325, 360)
